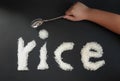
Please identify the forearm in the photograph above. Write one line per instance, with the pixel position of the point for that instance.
(108, 20)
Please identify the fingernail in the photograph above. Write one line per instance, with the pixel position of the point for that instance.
(65, 16)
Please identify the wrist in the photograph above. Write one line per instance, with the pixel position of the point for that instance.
(89, 13)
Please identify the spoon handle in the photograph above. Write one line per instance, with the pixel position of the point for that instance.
(52, 19)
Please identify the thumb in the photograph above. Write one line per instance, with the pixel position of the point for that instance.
(69, 17)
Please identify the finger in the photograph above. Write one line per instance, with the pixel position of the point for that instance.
(69, 17)
(68, 12)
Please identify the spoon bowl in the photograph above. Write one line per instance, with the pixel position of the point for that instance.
(37, 22)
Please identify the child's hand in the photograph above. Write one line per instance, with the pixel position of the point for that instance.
(77, 12)
(106, 19)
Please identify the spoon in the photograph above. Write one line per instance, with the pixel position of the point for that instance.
(40, 21)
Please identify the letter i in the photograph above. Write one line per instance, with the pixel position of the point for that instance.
(43, 34)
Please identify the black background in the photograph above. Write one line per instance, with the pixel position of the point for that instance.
(15, 20)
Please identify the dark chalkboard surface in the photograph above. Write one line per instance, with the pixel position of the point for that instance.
(15, 20)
